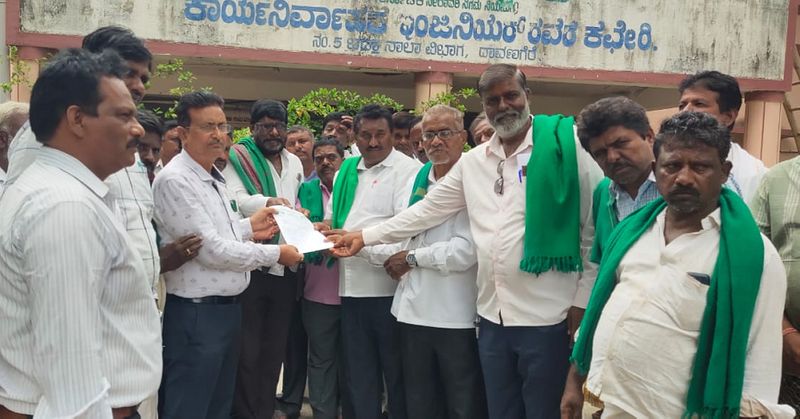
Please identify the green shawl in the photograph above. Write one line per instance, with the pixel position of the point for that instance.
(310, 196)
(715, 389)
(605, 219)
(552, 199)
(345, 191)
(252, 168)
(420, 188)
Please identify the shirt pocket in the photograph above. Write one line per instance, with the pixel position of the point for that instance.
(380, 201)
(681, 299)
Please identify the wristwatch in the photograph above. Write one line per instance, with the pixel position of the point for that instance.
(411, 259)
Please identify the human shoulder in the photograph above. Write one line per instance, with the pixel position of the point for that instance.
(782, 170)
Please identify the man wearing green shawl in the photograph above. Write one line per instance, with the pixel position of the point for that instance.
(528, 193)
(685, 316)
(369, 189)
(261, 172)
(616, 132)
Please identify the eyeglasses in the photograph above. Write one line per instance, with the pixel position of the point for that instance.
(498, 184)
(280, 126)
(444, 134)
(329, 157)
(211, 127)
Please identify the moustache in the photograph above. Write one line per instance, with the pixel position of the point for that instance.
(684, 191)
(132, 143)
(374, 148)
(506, 114)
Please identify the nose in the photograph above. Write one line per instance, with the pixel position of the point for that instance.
(373, 141)
(136, 129)
(147, 155)
(612, 155)
(685, 177)
(688, 107)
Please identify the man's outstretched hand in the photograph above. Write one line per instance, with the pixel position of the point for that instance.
(263, 224)
(346, 244)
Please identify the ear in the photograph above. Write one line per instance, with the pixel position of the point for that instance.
(183, 132)
(650, 137)
(74, 120)
(726, 168)
(730, 117)
(4, 140)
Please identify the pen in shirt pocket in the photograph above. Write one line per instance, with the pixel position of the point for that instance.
(700, 277)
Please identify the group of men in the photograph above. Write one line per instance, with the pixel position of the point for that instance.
(494, 283)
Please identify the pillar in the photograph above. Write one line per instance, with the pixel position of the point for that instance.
(30, 62)
(429, 84)
(762, 129)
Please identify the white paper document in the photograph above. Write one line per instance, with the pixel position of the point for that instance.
(298, 231)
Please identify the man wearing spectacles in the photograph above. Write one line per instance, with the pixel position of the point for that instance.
(435, 299)
(528, 192)
(262, 173)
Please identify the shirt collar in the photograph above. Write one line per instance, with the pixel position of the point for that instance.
(74, 168)
(184, 158)
(617, 190)
(496, 147)
(387, 162)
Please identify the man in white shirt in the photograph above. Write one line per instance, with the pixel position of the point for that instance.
(202, 316)
(685, 317)
(79, 336)
(262, 173)
(368, 190)
(12, 116)
(435, 298)
(718, 94)
(526, 316)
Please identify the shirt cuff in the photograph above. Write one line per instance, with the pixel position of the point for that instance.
(424, 258)
(245, 229)
(370, 236)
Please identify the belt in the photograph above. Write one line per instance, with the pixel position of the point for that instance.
(211, 299)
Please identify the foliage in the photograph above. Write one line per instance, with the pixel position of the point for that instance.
(311, 109)
(185, 80)
(19, 71)
(453, 98)
(240, 133)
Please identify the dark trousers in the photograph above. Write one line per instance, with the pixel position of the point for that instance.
(442, 373)
(372, 354)
(524, 368)
(267, 306)
(294, 367)
(326, 382)
(200, 354)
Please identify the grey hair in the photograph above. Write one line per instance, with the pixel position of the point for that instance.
(442, 109)
(8, 110)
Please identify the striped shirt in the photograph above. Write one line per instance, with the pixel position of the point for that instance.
(129, 197)
(80, 334)
(776, 208)
(625, 205)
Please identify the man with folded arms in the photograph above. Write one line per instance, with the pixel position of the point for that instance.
(80, 333)
(685, 316)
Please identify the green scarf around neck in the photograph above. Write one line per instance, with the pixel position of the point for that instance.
(345, 191)
(552, 199)
(254, 169)
(715, 389)
(605, 219)
(310, 196)
(420, 188)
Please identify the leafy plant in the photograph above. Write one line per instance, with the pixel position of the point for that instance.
(240, 133)
(311, 109)
(452, 98)
(19, 71)
(184, 83)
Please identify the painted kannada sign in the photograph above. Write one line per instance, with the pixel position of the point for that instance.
(660, 36)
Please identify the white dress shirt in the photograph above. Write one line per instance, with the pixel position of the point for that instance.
(746, 172)
(80, 333)
(131, 200)
(497, 223)
(188, 200)
(646, 338)
(2, 180)
(441, 291)
(287, 183)
(382, 192)
(129, 197)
